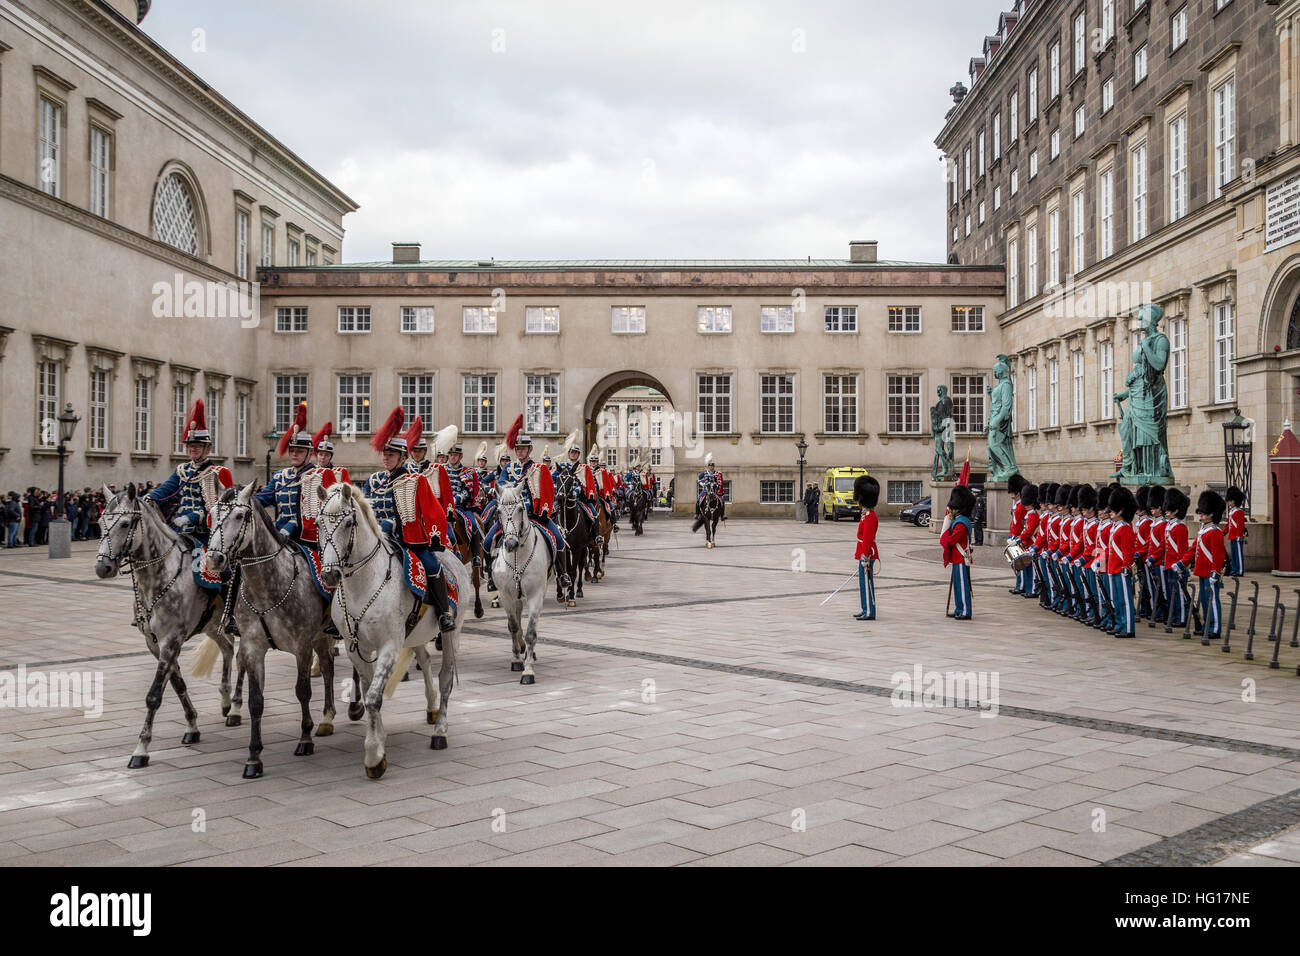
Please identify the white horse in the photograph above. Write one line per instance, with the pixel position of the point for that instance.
(276, 606)
(521, 569)
(371, 609)
(169, 608)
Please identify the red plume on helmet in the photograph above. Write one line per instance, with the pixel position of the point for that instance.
(390, 428)
(413, 432)
(196, 420)
(326, 430)
(515, 429)
(299, 423)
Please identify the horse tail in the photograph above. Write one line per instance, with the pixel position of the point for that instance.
(400, 668)
(207, 658)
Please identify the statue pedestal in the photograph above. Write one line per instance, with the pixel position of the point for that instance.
(939, 492)
(998, 504)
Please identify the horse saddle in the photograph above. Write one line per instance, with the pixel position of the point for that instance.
(314, 562)
(202, 576)
(416, 578)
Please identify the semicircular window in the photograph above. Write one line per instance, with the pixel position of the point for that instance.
(1293, 327)
(175, 221)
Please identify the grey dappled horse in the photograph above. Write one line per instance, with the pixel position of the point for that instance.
(521, 569)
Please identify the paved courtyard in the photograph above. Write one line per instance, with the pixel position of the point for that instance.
(699, 707)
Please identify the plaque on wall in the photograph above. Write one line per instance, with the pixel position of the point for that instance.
(1282, 213)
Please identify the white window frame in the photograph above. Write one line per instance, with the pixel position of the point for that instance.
(352, 404)
(1054, 70)
(412, 320)
(1178, 174)
(776, 491)
(997, 198)
(1080, 120)
(968, 398)
(1225, 374)
(1031, 95)
(1140, 65)
(1013, 273)
(1053, 393)
(1031, 264)
(268, 244)
(97, 427)
(415, 393)
(1224, 97)
(1033, 164)
(967, 319)
(1013, 118)
(1054, 248)
(49, 146)
(478, 392)
(1076, 370)
(1178, 362)
(242, 225)
(478, 320)
(1078, 252)
(1031, 405)
(212, 412)
(1106, 204)
(241, 425)
(840, 319)
(101, 170)
(1054, 144)
(1107, 21)
(839, 403)
(1106, 380)
(1015, 181)
(354, 319)
(1138, 191)
(290, 392)
(903, 404)
(143, 415)
(713, 319)
(776, 412)
(997, 135)
(287, 319)
(542, 404)
(542, 320)
(1080, 42)
(776, 319)
(1178, 29)
(1108, 94)
(713, 403)
(630, 317)
(180, 408)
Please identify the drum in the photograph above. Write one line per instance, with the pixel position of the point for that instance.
(1017, 556)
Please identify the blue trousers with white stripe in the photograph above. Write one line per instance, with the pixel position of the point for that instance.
(1237, 557)
(1177, 615)
(1045, 578)
(867, 589)
(961, 590)
(1121, 590)
(1211, 609)
(1080, 590)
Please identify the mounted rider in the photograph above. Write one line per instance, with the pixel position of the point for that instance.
(464, 481)
(284, 491)
(439, 480)
(197, 483)
(481, 474)
(582, 477)
(534, 482)
(324, 475)
(408, 511)
(710, 480)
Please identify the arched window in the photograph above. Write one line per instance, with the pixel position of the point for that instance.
(1293, 327)
(175, 215)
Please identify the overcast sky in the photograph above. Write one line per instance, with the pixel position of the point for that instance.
(557, 129)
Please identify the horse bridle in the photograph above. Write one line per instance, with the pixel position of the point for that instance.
(352, 624)
(142, 613)
(237, 546)
(518, 508)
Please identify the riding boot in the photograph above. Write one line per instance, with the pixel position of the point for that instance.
(436, 596)
(328, 625)
(229, 590)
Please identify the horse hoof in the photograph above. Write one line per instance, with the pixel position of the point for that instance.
(377, 771)
(305, 749)
(356, 710)
(137, 761)
(527, 679)
(572, 603)
(325, 730)
(516, 666)
(191, 737)
(233, 720)
(438, 743)
(225, 710)
(478, 611)
(252, 770)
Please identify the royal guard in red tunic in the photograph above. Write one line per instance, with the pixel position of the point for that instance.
(602, 484)
(197, 483)
(1142, 538)
(1030, 536)
(1175, 571)
(1236, 531)
(1154, 567)
(1101, 558)
(1015, 484)
(1121, 555)
(324, 475)
(955, 540)
(867, 492)
(1209, 554)
(434, 470)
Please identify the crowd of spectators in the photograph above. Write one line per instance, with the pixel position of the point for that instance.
(25, 518)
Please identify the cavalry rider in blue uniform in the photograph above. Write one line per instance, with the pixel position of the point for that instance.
(435, 471)
(710, 480)
(493, 481)
(463, 480)
(537, 490)
(284, 490)
(582, 478)
(481, 473)
(198, 482)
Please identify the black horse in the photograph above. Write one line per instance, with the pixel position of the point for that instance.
(575, 524)
(638, 506)
(707, 514)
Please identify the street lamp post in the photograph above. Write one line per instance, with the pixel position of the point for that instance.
(802, 445)
(60, 527)
(272, 436)
(1237, 453)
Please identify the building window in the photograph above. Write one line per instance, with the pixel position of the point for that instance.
(714, 318)
(293, 252)
(1140, 64)
(50, 152)
(1108, 95)
(1033, 164)
(611, 458)
(1138, 186)
(840, 318)
(1054, 145)
(1106, 394)
(1225, 384)
(1080, 43)
(1077, 252)
(143, 414)
(997, 136)
(1076, 368)
(997, 198)
(980, 151)
(627, 319)
(417, 319)
(902, 492)
(904, 318)
(98, 423)
(542, 404)
(1053, 248)
(241, 425)
(180, 407)
(1053, 393)
(1106, 200)
(1225, 135)
(776, 318)
(776, 404)
(268, 243)
(841, 404)
(657, 459)
(968, 224)
(480, 403)
(353, 413)
(1015, 181)
(775, 492)
(966, 164)
(100, 171)
(1107, 20)
(1031, 269)
(479, 320)
(1013, 274)
(968, 318)
(713, 403)
(175, 219)
(354, 318)
(903, 404)
(213, 415)
(1178, 168)
(416, 394)
(1178, 29)
(968, 404)
(290, 392)
(241, 244)
(1178, 363)
(291, 318)
(1032, 405)
(1031, 96)
(1054, 70)
(1013, 119)
(542, 319)
(1079, 121)
(311, 256)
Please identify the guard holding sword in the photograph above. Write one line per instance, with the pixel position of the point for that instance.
(867, 492)
(955, 541)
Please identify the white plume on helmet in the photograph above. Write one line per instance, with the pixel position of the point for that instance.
(571, 442)
(482, 451)
(445, 440)
(708, 459)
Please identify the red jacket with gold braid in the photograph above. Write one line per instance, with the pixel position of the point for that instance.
(418, 511)
(309, 503)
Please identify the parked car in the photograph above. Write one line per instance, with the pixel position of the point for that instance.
(918, 514)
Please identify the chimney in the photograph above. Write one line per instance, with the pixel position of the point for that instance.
(862, 250)
(406, 252)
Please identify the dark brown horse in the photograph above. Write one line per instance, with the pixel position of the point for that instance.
(469, 548)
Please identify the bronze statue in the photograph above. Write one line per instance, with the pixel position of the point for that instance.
(1143, 430)
(943, 431)
(1002, 456)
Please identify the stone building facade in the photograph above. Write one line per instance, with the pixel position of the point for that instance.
(1112, 152)
(135, 204)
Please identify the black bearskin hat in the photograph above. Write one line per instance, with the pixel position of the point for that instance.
(1141, 497)
(1211, 503)
(1123, 503)
(866, 491)
(1029, 496)
(1235, 496)
(1087, 497)
(962, 500)
(1049, 496)
(1176, 502)
(1103, 498)
(1062, 494)
(1073, 501)
(1156, 498)
(1015, 483)
(1044, 492)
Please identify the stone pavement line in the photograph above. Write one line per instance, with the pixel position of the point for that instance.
(1218, 838)
(1024, 713)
